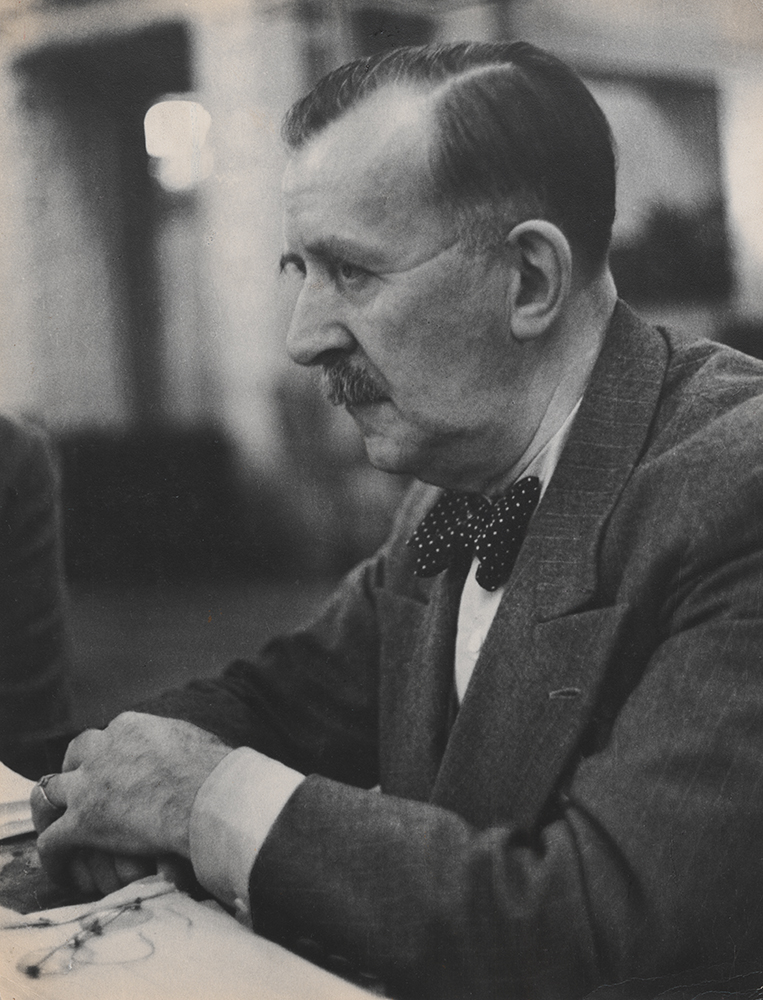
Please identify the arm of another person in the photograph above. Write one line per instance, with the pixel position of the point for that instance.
(33, 646)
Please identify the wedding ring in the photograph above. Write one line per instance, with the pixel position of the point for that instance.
(41, 785)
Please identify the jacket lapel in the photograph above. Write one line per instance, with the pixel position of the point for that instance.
(417, 693)
(606, 442)
(538, 671)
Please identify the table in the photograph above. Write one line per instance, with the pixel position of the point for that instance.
(145, 942)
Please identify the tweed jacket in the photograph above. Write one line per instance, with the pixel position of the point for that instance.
(595, 813)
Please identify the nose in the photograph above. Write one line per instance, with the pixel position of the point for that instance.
(317, 325)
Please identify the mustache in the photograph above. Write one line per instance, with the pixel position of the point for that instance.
(344, 383)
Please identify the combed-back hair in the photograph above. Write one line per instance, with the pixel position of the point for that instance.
(518, 135)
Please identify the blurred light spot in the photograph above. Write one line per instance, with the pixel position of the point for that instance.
(743, 153)
(176, 133)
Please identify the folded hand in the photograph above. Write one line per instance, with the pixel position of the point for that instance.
(123, 799)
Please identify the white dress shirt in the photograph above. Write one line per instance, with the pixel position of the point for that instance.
(240, 801)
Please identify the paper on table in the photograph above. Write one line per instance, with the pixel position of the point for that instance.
(152, 942)
(15, 811)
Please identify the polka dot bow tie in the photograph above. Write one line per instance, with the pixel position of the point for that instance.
(461, 525)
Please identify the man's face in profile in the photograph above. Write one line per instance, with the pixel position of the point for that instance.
(412, 332)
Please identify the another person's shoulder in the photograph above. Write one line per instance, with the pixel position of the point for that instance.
(26, 461)
(20, 440)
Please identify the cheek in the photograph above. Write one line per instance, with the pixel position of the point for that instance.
(410, 325)
(440, 340)
(399, 339)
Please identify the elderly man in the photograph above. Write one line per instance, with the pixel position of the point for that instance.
(567, 736)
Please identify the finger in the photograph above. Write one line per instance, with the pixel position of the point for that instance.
(78, 872)
(43, 813)
(130, 869)
(81, 746)
(52, 789)
(47, 800)
(102, 870)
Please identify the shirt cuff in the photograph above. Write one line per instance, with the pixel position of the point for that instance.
(231, 817)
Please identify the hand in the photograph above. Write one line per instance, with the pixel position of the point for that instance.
(125, 792)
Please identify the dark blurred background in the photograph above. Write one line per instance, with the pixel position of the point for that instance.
(210, 497)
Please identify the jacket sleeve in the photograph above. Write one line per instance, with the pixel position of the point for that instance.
(309, 700)
(647, 858)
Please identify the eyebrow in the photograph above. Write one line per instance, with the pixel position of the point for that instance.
(331, 250)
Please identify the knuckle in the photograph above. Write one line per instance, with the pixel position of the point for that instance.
(124, 725)
(128, 718)
(85, 737)
(79, 747)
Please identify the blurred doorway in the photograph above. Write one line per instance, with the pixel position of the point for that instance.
(86, 103)
(148, 477)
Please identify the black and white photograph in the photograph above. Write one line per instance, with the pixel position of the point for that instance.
(381, 499)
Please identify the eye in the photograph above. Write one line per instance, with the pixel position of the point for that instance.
(350, 273)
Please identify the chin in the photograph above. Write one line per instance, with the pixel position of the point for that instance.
(386, 456)
(393, 457)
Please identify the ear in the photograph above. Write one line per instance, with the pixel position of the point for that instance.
(541, 276)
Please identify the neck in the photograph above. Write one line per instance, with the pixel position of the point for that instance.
(568, 358)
